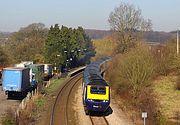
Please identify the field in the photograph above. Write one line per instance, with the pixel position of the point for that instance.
(168, 97)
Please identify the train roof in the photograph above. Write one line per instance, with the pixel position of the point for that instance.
(95, 79)
(99, 82)
(92, 73)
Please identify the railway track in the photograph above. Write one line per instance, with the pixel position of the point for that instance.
(59, 115)
(98, 120)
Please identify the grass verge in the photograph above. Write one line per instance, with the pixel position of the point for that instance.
(55, 83)
(168, 97)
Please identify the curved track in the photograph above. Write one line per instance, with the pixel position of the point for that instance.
(59, 115)
(98, 120)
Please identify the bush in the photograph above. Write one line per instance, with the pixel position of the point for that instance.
(160, 119)
(165, 58)
(26, 117)
(161, 58)
(129, 75)
(136, 68)
(178, 82)
(147, 103)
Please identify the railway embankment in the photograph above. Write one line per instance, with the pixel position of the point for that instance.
(29, 109)
(40, 107)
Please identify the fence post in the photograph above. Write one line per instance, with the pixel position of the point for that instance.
(22, 104)
(36, 91)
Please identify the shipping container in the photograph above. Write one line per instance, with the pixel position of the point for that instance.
(15, 79)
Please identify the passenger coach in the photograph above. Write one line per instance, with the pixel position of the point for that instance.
(96, 91)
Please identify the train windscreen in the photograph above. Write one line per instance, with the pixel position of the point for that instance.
(98, 90)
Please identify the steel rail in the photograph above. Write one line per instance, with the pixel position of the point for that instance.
(59, 93)
(94, 123)
(105, 120)
(67, 101)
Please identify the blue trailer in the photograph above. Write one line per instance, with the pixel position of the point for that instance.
(15, 80)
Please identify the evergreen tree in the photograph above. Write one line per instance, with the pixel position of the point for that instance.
(65, 46)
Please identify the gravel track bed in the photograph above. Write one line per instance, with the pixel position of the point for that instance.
(117, 117)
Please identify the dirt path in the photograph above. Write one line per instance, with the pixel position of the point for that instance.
(6, 104)
(117, 117)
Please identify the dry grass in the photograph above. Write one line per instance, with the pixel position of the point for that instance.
(129, 75)
(104, 47)
(9, 118)
(168, 96)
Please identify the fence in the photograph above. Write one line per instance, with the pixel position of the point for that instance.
(24, 103)
(30, 97)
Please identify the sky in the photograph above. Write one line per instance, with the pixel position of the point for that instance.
(90, 14)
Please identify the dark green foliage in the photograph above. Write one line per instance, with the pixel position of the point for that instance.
(64, 44)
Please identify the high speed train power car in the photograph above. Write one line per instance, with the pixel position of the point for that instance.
(96, 91)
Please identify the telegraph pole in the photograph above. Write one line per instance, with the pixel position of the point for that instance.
(177, 42)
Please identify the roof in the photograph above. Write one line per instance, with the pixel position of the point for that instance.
(15, 68)
(92, 73)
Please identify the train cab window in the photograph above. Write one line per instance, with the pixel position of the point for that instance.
(98, 90)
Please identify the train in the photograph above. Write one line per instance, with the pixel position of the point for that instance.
(96, 91)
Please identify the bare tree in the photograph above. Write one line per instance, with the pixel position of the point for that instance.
(128, 22)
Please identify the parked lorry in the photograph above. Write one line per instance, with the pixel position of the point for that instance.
(36, 74)
(48, 71)
(24, 64)
(15, 81)
(0, 74)
(0, 77)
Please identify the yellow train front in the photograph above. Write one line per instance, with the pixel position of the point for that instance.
(96, 95)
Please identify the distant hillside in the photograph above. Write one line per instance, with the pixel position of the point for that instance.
(97, 34)
(4, 37)
(152, 36)
(4, 34)
(159, 37)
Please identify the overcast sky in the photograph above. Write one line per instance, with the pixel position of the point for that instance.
(90, 14)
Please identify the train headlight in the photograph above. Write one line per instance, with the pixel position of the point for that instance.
(105, 100)
(90, 100)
